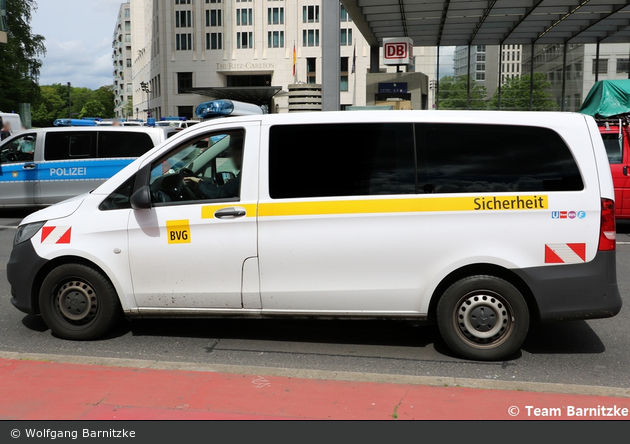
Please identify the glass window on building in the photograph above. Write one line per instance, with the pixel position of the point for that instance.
(343, 85)
(481, 67)
(213, 1)
(244, 16)
(127, 14)
(214, 40)
(184, 81)
(244, 40)
(185, 111)
(310, 14)
(623, 65)
(310, 37)
(481, 48)
(183, 19)
(127, 26)
(275, 39)
(602, 68)
(311, 70)
(128, 63)
(275, 16)
(129, 87)
(346, 37)
(127, 38)
(480, 76)
(344, 16)
(183, 42)
(481, 57)
(182, 2)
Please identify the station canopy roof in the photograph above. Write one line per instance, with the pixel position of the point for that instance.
(251, 94)
(494, 22)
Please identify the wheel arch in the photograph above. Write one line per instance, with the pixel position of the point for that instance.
(483, 269)
(51, 265)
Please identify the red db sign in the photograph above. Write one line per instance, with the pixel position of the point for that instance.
(396, 50)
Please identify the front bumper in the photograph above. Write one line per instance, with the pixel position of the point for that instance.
(575, 291)
(22, 269)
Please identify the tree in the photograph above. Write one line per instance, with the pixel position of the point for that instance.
(19, 57)
(515, 94)
(128, 109)
(453, 92)
(51, 106)
(93, 108)
(105, 95)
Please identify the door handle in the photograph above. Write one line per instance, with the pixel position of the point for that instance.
(28, 166)
(230, 213)
(625, 170)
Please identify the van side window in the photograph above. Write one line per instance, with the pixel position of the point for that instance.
(463, 158)
(120, 199)
(353, 159)
(117, 144)
(614, 147)
(20, 149)
(70, 145)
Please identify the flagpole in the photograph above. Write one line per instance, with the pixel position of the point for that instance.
(354, 71)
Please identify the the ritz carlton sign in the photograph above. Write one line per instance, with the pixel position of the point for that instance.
(246, 65)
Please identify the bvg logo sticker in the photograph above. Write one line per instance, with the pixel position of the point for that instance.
(178, 231)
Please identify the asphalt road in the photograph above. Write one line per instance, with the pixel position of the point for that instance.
(580, 352)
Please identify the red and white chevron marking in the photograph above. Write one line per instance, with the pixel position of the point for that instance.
(565, 253)
(56, 235)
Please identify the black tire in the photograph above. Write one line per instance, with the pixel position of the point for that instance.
(79, 303)
(484, 318)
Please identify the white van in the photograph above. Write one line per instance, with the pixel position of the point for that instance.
(15, 121)
(44, 166)
(480, 221)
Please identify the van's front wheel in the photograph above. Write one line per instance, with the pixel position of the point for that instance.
(483, 318)
(78, 303)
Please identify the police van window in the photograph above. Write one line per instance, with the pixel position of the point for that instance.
(463, 158)
(70, 145)
(20, 149)
(117, 144)
(614, 147)
(207, 167)
(353, 159)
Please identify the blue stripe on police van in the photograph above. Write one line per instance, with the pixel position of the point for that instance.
(67, 170)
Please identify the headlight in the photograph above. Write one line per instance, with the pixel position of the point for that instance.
(25, 232)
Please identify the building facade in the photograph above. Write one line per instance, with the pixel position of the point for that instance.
(3, 21)
(582, 68)
(184, 46)
(484, 64)
(122, 61)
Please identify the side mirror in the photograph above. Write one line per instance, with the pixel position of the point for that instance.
(141, 199)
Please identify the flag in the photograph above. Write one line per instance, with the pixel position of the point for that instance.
(294, 58)
(354, 58)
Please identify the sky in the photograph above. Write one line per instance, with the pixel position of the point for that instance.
(79, 36)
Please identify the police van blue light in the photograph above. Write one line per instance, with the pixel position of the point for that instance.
(223, 108)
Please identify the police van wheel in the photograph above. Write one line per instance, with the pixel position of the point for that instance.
(484, 318)
(77, 302)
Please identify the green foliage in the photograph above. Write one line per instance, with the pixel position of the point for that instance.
(19, 57)
(515, 94)
(453, 92)
(53, 103)
(93, 108)
(128, 109)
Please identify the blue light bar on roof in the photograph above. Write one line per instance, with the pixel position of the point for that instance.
(171, 118)
(74, 122)
(222, 108)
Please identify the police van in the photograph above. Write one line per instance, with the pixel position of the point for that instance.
(479, 221)
(44, 166)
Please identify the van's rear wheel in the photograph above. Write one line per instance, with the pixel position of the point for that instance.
(77, 302)
(483, 318)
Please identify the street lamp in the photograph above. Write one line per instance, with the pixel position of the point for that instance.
(145, 88)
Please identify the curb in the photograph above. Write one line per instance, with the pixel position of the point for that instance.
(433, 381)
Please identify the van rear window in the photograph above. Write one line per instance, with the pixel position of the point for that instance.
(466, 158)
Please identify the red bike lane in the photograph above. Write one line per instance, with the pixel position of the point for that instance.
(37, 390)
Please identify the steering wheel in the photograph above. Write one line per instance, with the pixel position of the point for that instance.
(185, 190)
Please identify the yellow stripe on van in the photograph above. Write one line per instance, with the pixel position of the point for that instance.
(207, 211)
(411, 205)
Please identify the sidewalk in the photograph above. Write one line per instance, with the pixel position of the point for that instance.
(61, 391)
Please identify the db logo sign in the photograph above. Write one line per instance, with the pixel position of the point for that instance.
(397, 50)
